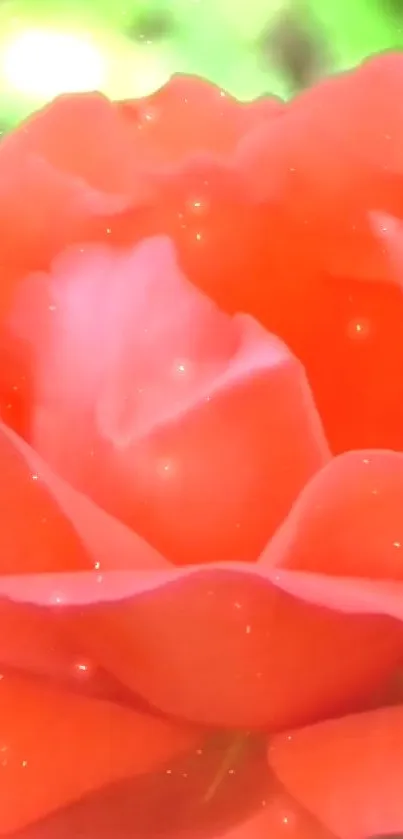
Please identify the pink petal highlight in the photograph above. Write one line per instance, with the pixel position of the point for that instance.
(196, 429)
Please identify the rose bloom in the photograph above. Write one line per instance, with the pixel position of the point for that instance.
(201, 399)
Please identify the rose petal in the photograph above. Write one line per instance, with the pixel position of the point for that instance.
(170, 801)
(316, 133)
(347, 772)
(43, 767)
(195, 429)
(29, 642)
(280, 817)
(35, 534)
(316, 184)
(356, 378)
(189, 116)
(32, 643)
(344, 594)
(347, 521)
(298, 179)
(389, 230)
(45, 525)
(72, 169)
(226, 646)
(62, 528)
(249, 804)
(53, 192)
(89, 116)
(248, 646)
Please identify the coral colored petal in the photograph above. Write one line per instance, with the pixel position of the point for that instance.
(32, 643)
(35, 534)
(316, 132)
(347, 772)
(29, 641)
(42, 211)
(46, 526)
(62, 528)
(317, 182)
(282, 229)
(280, 817)
(253, 649)
(189, 116)
(59, 182)
(347, 521)
(170, 801)
(227, 646)
(75, 167)
(46, 763)
(343, 594)
(243, 654)
(389, 231)
(90, 116)
(196, 429)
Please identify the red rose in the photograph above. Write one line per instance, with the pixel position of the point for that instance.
(187, 570)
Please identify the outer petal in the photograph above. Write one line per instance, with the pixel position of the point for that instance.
(35, 534)
(46, 526)
(170, 801)
(234, 645)
(227, 646)
(173, 802)
(295, 216)
(189, 116)
(71, 170)
(195, 429)
(56, 747)
(299, 179)
(62, 529)
(55, 190)
(366, 166)
(347, 772)
(347, 522)
(279, 817)
(319, 180)
(29, 642)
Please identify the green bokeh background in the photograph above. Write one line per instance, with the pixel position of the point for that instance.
(249, 48)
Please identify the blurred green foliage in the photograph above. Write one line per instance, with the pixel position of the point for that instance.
(129, 47)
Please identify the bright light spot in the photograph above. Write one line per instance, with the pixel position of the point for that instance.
(46, 63)
(56, 599)
(166, 468)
